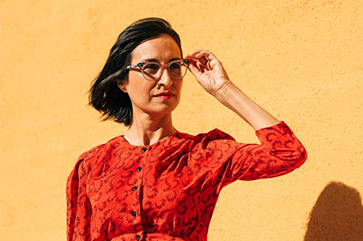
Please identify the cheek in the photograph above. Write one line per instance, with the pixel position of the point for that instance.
(139, 89)
(179, 85)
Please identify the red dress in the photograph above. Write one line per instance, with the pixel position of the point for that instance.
(168, 190)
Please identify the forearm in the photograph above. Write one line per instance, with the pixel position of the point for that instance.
(233, 98)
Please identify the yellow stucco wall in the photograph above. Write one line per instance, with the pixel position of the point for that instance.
(302, 60)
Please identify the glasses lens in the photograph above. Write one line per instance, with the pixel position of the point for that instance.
(177, 69)
(151, 71)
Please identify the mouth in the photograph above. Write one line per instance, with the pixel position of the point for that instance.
(164, 96)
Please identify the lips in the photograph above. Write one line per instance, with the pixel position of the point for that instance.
(164, 94)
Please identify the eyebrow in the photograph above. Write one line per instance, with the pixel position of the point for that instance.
(155, 60)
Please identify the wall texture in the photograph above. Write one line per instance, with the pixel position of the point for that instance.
(299, 59)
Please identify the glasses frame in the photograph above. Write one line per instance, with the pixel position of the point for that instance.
(147, 76)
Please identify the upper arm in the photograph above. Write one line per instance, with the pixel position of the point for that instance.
(78, 204)
(278, 153)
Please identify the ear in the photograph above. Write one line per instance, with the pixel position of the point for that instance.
(121, 85)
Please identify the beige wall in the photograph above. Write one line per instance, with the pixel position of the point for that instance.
(300, 60)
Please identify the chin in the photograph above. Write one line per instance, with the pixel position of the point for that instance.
(163, 109)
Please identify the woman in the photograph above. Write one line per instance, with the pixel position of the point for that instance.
(154, 182)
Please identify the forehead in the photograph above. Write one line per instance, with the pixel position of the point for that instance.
(162, 48)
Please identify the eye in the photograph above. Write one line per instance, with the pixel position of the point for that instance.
(175, 65)
(151, 68)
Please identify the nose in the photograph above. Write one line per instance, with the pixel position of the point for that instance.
(165, 78)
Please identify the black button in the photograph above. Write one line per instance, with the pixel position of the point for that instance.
(138, 169)
(134, 188)
(138, 237)
(143, 149)
(133, 213)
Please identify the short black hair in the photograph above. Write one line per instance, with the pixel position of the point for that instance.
(104, 94)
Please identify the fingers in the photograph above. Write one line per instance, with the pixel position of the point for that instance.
(201, 59)
(196, 67)
(195, 71)
(200, 53)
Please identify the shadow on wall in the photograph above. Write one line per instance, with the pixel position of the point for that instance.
(337, 215)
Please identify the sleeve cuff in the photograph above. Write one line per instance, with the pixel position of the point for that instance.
(278, 126)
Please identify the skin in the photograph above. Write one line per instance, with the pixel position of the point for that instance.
(152, 119)
(152, 116)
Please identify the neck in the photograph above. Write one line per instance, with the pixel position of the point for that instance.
(148, 129)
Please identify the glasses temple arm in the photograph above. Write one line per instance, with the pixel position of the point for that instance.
(135, 65)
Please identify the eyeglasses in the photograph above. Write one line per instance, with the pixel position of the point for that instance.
(154, 70)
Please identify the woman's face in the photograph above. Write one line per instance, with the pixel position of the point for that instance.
(141, 91)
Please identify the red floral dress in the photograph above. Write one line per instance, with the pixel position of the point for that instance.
(168, 190)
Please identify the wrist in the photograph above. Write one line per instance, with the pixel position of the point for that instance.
(224, 91)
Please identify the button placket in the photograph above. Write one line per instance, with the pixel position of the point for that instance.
(134, 188)
(143, 149)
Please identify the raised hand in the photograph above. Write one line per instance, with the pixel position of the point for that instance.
(208, 71)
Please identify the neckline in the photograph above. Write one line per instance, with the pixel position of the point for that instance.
(170, 138)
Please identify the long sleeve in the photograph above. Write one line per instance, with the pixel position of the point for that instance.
(279, 153)
(168, 190)
(78, 204)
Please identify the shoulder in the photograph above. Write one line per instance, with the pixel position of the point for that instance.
(215, 134)
(97, 152)
(93, 156)
(207, 140)
(87, 160)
